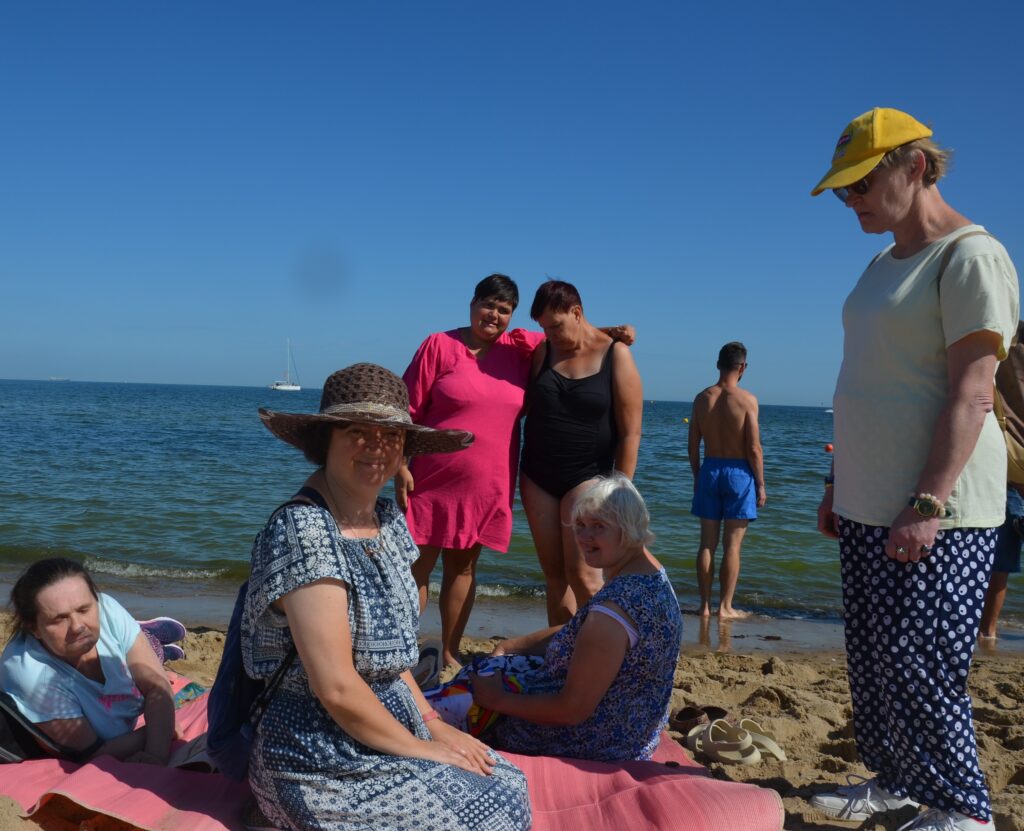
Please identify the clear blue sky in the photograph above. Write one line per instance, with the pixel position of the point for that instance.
(184, 185)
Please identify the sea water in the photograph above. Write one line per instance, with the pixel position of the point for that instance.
(169, 484)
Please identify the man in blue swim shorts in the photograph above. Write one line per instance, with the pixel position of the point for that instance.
(728, 486)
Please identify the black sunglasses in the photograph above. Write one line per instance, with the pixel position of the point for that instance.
(860, 187)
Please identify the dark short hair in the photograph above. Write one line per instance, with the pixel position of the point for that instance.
(318, 439)
(556, 296)
(732, 355)
(38, 576)
(499, 287)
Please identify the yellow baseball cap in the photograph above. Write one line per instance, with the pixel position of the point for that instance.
(863, 143)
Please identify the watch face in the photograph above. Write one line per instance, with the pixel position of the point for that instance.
(924, 507)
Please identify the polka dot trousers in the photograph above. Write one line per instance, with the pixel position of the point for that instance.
(910, 635)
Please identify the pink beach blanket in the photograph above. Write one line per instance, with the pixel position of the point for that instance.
(566, 794)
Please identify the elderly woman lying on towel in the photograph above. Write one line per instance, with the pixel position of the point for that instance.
(602, 688)
(82, 670)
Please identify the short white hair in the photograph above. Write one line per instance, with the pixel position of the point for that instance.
(615, 500)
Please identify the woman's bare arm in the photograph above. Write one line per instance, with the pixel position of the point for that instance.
(971, 363)
(628, 400)
(151, 680)
(318, 618)
(596, 660)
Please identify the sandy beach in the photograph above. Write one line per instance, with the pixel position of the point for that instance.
(797, 692)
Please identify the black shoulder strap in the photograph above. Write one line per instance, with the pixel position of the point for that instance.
(305, 496)
(259, 706)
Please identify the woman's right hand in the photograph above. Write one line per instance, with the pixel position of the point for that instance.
(826, 518)
(403, 484)
(435, 751)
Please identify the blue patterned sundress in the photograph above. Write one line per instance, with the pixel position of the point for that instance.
(630, 717)
(305, 771)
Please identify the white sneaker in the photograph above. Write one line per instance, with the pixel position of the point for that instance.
(859, 800)
(936, 820)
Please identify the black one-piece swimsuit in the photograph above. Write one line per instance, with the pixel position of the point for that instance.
(570, 434)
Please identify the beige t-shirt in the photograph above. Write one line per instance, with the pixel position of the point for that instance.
(893, 382)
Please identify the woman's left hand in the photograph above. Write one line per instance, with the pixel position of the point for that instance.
(470, 747)
(487, 689)
(911, 536)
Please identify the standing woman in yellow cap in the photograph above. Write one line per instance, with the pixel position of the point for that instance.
(918, 486)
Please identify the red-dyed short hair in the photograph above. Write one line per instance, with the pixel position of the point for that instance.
(556, 295)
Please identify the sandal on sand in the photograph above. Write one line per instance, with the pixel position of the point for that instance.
(723, 742)
(762, 739)
(686, 718)
(428, 669)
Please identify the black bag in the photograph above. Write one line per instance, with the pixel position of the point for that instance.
(237, 702)
(20, 739)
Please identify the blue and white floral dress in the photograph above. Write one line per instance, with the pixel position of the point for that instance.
(308, 773)
(630, 717)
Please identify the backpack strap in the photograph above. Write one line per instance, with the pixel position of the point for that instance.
(305, 496)
(947, 255)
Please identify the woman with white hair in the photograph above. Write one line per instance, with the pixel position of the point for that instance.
(603, 689)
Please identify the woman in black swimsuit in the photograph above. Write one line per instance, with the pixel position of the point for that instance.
(585, 414)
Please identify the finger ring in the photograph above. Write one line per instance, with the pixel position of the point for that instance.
(900, 549)
(926, 549)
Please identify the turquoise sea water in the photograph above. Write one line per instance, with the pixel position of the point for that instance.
(171, 483)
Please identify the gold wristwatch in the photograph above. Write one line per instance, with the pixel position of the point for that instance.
(927, 506)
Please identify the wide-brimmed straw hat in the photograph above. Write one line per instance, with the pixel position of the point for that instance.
(365, 394)
(865, 141)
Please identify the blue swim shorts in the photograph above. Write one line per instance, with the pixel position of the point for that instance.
(725, 490)
(1008, 540)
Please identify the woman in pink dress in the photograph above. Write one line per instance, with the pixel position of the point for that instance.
(474, 378)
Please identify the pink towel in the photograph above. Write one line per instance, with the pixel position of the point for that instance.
(566, 794)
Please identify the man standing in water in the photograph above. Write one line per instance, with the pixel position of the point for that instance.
(729, 485)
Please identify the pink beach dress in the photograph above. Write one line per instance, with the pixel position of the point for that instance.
(460, 499)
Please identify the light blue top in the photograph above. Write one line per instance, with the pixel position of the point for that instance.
(46, 688)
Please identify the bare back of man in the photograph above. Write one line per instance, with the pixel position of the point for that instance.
(728, 483)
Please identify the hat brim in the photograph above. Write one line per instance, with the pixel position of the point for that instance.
(842, 174)
(294, 428)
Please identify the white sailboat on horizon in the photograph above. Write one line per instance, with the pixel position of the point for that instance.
(286, 385)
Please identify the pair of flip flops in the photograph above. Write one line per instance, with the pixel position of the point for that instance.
(738, 744)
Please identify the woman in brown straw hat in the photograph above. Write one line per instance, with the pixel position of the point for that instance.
(919, 481)
(348, 740)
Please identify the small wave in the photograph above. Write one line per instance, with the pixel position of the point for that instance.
(510, 591)
(120, 568)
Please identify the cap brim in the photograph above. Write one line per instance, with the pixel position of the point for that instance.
(840, 176)
(419, 440)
